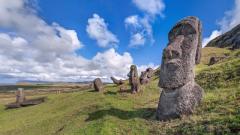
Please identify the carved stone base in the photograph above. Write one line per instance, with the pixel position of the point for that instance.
(174, 103)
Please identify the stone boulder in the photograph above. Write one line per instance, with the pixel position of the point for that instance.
(98, 85)
(146, 76)
(230, 39)
(133, 79)
(214, 60)
(180, 93)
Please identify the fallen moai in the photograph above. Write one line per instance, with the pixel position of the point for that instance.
(21, 101)
(117, 82)
(180, 93)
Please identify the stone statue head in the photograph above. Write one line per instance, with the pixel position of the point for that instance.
(181, 54)
(133, 70)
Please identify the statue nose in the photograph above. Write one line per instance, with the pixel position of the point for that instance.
(173, 51)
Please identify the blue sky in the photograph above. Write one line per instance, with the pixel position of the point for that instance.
(74, 15)
(82, 39)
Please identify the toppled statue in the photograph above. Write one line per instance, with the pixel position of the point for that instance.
(117, 82)
(98, 85)
(146, 76)
(180, 93)
(133, 79)
(21, 100)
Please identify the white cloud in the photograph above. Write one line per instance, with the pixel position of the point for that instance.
(214, 34)
(152, 7)
(137, 40)
(97, 29)
(141, 27)
(230, 20)
(140, 30)
(31, 49)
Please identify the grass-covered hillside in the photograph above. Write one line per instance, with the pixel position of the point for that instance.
(121, 113)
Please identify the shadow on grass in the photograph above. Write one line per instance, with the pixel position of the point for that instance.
(144, 113)
(110, 93)
(125, 91)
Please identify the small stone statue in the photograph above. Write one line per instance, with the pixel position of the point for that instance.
(133, 79)
(146, 76)
(180, 93)
(20, 96)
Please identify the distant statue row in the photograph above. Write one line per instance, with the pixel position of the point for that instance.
(180, 93)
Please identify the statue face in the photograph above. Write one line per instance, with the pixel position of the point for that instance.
(180, 54)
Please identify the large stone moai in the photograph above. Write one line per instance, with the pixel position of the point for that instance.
(133, 79)
(146, 76)
(20, 96)
(98, 85)
(180, 93)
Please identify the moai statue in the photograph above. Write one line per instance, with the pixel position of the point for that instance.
(20, 97)
(115, 81)
(98, 85)
(133, 79)
(180, 93)
(146, 76)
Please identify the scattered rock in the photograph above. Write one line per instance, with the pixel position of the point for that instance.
(98, 85)
(230, 39)
(146, 76)
(214, 60)
(133, 79)
(180, 94)
(115, 81)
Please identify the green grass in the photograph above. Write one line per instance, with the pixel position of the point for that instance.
(116, 113)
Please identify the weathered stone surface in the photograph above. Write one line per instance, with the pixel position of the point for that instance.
(146, 76)
(98, 85)
(133, 79)
(20, 96)
(180, 94)
(230, 39)
(115, 81)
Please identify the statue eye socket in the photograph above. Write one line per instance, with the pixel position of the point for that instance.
(182, 29)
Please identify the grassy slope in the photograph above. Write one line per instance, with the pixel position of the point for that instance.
(112, 112)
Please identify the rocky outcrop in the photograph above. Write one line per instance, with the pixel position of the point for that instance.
(98, 85)
(133, 79)
(180, 94)
(146, 76)
(230, 39)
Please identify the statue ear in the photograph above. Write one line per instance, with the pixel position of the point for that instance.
(199, 46)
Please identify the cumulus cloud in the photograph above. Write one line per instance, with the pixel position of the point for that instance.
(33, 50)
(140, 30)
(152, 7)
(140, 27)
(214, 34)
(97, 29)
(230, 20)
